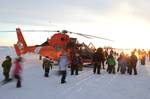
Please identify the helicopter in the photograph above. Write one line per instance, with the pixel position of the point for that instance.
(56, 45)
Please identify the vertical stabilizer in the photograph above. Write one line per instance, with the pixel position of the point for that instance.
(21, 45)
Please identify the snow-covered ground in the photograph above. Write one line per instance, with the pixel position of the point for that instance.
(84, 86)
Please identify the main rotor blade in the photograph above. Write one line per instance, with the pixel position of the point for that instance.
(39, 31)
(81, 34)
(9, 31)
(87, 35)
(84, 36)
(31, 31)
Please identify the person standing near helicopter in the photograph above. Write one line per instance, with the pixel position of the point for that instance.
(63, 64)
(75, 61)
(96, 62)
(47, 65)
(17, 70)
(132, 64)
(6, 65)
(102, 57)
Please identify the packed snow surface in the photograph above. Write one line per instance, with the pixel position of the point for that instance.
(86, 85)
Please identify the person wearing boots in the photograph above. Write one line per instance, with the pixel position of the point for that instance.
(6, 65)
(74, 61)
(142, 57)
(47, 65)
(111, 64)
(63, 64)
(18, 70)
(96, 62)
(132, 64)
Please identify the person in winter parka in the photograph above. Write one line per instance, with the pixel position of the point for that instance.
(47, 65)
(96, 62)
(124, 64)
(102, 56)
(6, 65)
(18, 70)
(142, 57)
(111, 64)
(75, 60)
(132, 64)
(63, 64)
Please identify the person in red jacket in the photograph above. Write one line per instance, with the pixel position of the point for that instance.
(17, 71)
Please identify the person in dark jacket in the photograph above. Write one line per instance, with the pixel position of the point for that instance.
(102, 56)
(47, 65)
(96, 62)
(119, 61)
(106, 54)
(6, 65)
(132, 64)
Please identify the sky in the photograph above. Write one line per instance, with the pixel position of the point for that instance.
(127, 22)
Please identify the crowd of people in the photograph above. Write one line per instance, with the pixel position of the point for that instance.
(123, 63)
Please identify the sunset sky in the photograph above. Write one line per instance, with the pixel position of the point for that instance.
(127, 22)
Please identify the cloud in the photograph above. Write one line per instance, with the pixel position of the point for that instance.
(137, 8)
(66, 11)
(59, 11)
(141, 8)
(106, 18)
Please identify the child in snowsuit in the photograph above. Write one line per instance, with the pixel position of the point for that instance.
(46, 66)
(6, 65)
